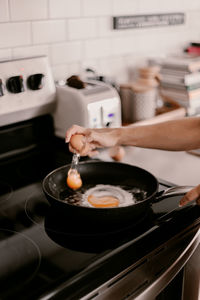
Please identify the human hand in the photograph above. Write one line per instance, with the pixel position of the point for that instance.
(93, 138)
(193, 194)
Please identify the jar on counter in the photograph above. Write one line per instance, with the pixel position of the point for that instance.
(139, 98)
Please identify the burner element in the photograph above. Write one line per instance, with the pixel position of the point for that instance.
(20, 261)
(36, 208)
(6, 191)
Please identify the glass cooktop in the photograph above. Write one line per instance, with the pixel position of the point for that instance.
(43, 254)
(41, 250)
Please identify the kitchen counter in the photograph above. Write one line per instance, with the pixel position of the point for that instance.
(180, 168)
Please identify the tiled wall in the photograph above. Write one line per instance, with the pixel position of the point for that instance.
(78, 33)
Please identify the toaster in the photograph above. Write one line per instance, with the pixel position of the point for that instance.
(97, 105)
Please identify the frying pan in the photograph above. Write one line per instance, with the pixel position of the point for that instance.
(110, 173)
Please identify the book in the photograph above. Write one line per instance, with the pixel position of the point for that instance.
(180, 86)
(191, 103)
(166, 75)
(183, 62)
(180, 94)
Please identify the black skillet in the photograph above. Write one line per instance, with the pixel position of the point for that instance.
(111, 173)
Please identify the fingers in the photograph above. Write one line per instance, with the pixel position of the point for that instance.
(88, 149)
(193, 194)
(93, 153)
(71, 149)
(75, 129)
(94, 138)
(90, 142)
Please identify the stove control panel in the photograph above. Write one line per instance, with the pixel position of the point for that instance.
(23, 92)
(35, 81)
(15, 84)
(1, 88)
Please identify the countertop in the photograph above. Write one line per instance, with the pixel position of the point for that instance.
(180, 168)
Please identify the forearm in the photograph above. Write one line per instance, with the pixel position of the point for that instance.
(175, 135)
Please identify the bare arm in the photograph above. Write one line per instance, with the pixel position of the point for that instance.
(175, 135)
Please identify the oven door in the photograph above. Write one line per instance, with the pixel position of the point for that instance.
(152, 277)
(191, 277)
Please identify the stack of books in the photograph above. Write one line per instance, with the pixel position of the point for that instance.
(180, 81)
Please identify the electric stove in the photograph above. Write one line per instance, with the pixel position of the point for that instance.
(46, 256)
(43, 255)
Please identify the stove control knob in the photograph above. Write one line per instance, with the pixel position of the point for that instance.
(15, 84)
(35, 81)
(1, 88)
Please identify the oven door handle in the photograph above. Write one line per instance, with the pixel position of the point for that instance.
(164, 279)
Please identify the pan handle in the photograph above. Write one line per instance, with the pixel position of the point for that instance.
(173, 191)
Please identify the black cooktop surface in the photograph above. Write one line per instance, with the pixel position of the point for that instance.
(41, 249)
(43, 254)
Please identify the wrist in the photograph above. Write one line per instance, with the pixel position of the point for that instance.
(126, 136)
(119, 136)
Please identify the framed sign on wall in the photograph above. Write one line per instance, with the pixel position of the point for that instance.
(151, 20)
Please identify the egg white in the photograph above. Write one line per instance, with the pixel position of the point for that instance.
(101, 190)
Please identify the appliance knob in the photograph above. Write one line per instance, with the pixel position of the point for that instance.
(1, 88)
(35, 81)
(15, 84)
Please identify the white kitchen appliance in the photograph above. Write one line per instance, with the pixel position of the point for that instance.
(27, 89)
(97, 105)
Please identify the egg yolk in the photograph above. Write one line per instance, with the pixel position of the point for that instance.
(74, 180)
(105, 201)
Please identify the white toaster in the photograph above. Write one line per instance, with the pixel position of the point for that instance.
(97, 105)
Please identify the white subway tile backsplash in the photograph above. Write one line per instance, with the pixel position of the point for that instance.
(49, 31)
(5, 54)
(105, 66)
(64, 8)
(66, 52)
(28, 10)
(97, 48)
(157, 6)
(76, 34)
(126, 45)
(4, 11)
(60, 72)
(193, 20)
(132, 62)
(74, 69)
(14, 34)
(115, 68)
(64, 71)
(96, 7)
(191, 5)
(30, 51)
(82, 28)
(119, 70)
(105, 27)
(128, 7)
(92, 64)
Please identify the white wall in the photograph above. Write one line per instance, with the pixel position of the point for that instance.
(78, 33)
